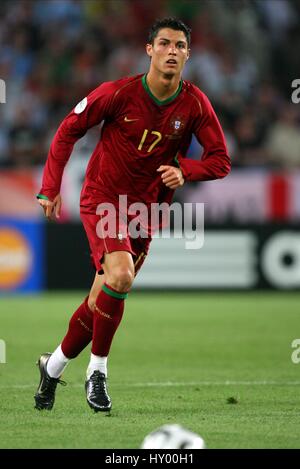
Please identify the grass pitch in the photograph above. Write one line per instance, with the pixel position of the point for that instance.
(219, 364)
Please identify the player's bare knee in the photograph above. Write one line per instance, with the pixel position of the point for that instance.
(121, 279)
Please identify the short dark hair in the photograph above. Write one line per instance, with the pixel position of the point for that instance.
(172, 23)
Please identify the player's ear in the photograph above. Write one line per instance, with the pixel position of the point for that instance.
(188, 54)
(149, 49)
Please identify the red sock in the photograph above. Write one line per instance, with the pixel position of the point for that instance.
(107, 317)
(80, 331)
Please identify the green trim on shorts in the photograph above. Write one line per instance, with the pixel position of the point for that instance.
(41, 196)
(114, 294)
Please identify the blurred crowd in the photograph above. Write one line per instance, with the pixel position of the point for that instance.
(244, 56)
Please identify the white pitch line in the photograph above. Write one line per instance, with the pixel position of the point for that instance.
(175, 384)
(220, 383)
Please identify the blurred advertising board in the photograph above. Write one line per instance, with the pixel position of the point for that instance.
(17, 194)
(252, 235)
(21, 255)
(249, 196)
(245, 196)
(231, 258)
(259, 257)
(21, 234)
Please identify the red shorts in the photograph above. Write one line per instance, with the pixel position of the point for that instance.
(100, 245)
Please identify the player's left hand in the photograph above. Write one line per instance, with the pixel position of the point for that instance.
(171, 176)
(51, 207)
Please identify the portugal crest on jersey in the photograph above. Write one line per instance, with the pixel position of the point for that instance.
(177, 124)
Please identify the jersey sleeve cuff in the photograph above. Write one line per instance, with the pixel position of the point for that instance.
(47, 194)
(179, 160)
(42, 196)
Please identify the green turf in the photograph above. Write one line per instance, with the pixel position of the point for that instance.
(171, 361)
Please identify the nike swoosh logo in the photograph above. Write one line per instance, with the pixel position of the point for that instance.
(129, 120)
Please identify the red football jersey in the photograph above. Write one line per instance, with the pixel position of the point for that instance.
(139, 134)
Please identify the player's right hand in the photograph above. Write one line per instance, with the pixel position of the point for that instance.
(51, 208)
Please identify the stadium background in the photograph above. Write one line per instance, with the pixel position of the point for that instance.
(245, 56)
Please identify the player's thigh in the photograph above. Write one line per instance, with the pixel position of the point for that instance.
(95, 290)
(141, 248)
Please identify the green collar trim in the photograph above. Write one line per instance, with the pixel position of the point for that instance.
(158, 101)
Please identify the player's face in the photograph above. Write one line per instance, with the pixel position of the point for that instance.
(169, 51)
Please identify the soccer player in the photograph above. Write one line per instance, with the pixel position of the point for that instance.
(149, 120)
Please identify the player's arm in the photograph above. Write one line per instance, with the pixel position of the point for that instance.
(88, 113)
(215, 162)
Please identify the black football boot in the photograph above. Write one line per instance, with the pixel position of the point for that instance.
(96, 392)
(45, 394)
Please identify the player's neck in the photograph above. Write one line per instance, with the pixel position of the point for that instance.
(161, 85)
